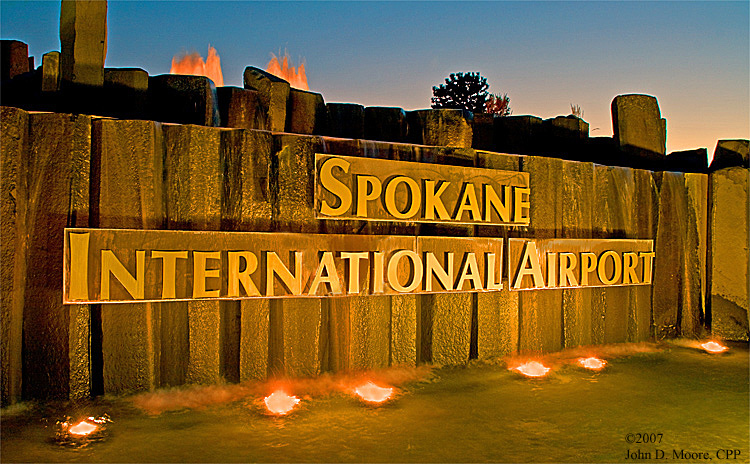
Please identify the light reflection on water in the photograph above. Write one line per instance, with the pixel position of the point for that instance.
(466, 414)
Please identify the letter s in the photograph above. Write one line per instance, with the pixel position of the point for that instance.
(336, 187)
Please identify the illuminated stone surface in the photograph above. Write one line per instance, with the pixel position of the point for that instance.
(83, 41)
(345, 120)
(14, 138)
(128, 193)
(242, 108)
(728, 252)
(274, 95)
(183, 99)
(51, 72)
(254, 339)
(731, 153)
(306, 113)
(613, 217)
(56, 351)
(126, 91)
(693, 282)
(14, 58)
(254, 183)
(385, 124)
(644, 226)
(447, 128)
(541, 311)
(295, 346)
(357, 339)
(404, 329)
(293, 191)
(577, 211)
(638, 127)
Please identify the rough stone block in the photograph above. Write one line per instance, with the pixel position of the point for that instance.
(293, 191)
(687, 161)
(518, 134)
(693, 280)
(497, 323)
(254, 177)
(14, 59)
(56, 337)
(183, 99)
(446, 328)
(51, 72)
(729, 261)
(254, 320)
(577, 204)
(306, 113)
(274, 94)
(731, 153)
(483, 131)
(127, 193)
(404, 330)
(541, 318)
(564, 137)
(126, 91)
(669, 244)
(346, 120)
(83, 41)
(638, 127)
(359, 338)
(296, 337)
(242, 108)
(387, 124)
(442, 127)
(646, 203)
(14, 138)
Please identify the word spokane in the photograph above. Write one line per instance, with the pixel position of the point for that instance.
(116, 265)
(383, 190)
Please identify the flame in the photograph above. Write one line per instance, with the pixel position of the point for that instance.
(532, 369)
(280, 403)
(295, 76)
(714, 347)
(592, 363)
(83, 428)
(193, 64)
(373, 393)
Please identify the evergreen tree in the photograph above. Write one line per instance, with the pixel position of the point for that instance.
(464, 91)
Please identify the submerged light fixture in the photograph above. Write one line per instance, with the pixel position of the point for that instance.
(714, 347)
(280, 403)
(592, 363)
(373, 393)
(532, 369)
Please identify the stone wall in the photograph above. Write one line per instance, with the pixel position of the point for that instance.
(71, 170)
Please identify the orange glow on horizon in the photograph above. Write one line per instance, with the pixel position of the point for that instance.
(296, 77)
(373, 393)
(280, 403)
(532, 369)
(83, 428)
(714, 347)
(193, 64)
(592, 363)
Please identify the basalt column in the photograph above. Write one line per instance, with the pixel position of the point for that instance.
(128, 193)
(497, 312)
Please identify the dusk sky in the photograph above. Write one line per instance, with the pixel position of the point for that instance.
(693, 56)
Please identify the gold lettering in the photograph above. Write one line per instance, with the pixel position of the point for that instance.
(417, 271)
(336, 187)
(588, 265)
(601, 268)
(492, 201)
(112, 265)
(470, 272)
(331, 278)
(521, 205)
(529, 266)
(200, 274)
(493, 284)
(435, 268)
(468, 202)
(365, 184)
(568, 263)
(236, 277)
(433, 202)
(378, 280)
(390, 197)
(169, 265)
(629, 262)
(274, 266)
(354, 259)
(78, 288)
(551, 268)
(648, 260)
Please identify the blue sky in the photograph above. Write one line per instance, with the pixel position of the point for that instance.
(693, 56)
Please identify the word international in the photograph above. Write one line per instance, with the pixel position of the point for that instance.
(118, 265)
